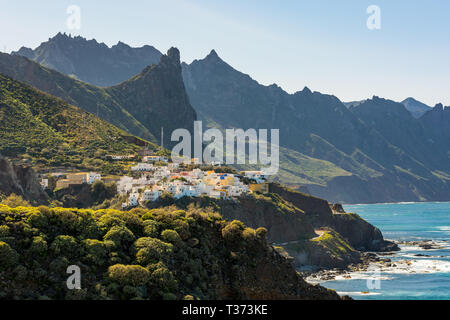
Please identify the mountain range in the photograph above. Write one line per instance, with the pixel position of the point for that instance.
(90, 61)
(153, 99)
(375, 150)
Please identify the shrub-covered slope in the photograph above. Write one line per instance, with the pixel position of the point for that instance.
(153, 99)
(314, 234)
(47, 130)
(141, 254)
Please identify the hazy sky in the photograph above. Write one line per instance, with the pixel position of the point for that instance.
(324, 45)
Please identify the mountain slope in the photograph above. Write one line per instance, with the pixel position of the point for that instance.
(437, 123)
(395, 123)
(157, 97)
(161, 93)
(46, 130)
(416, 108)
(374, 166)
(90, 61)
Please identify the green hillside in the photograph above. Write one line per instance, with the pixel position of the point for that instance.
(50, 132)
(154, 99)
(142, 254)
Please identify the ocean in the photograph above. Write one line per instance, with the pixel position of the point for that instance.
(416, 274)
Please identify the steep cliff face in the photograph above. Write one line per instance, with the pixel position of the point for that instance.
(312, 233)
(437, 124)
(328, 250)
(360, 234)
(20, 180)
(312, 206)
(283, 221)
(157, 97)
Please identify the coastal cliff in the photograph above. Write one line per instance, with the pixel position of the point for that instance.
(20, 180)
(142, 254)
(309, 231)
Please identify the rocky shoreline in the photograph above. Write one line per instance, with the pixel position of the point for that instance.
(380, 262)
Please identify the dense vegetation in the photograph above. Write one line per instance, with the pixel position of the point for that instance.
(142, 254)
(47, 131)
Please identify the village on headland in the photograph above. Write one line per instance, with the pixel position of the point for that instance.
(154, 175)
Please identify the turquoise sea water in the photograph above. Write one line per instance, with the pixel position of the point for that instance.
(425, 277)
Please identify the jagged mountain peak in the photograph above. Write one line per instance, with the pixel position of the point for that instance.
(213, 57)
(439, 106)
(90, 61)
(174, 54)
(415, 107)
(213, 54)
(306, 90)
(121, 45)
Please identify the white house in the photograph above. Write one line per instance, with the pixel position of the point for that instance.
(93, 176)
(173, 165)
(258, 176)
(193, 191)
(155, 159)
(161, 173)
(133, 199)
(151, 195)
(44, 183)
(124, 185)
(214, 194)
(143, 167)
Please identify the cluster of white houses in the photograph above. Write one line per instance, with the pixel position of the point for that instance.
(154, 181)
(151, 181)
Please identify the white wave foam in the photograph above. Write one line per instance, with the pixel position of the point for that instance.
(422, 266)
(363, 275)
(343, 293)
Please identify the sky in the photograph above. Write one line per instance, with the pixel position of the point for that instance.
(325, 45)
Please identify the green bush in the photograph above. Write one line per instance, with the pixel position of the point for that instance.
(151, 228)
(129, 274)
(232, 233)
(171, 236)
(120, 235)
(261, 233)
(15, 201)
(8, 256)
(96, 251)
(162, 279)
(154, 251)
(64, 245)
(39, 246)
